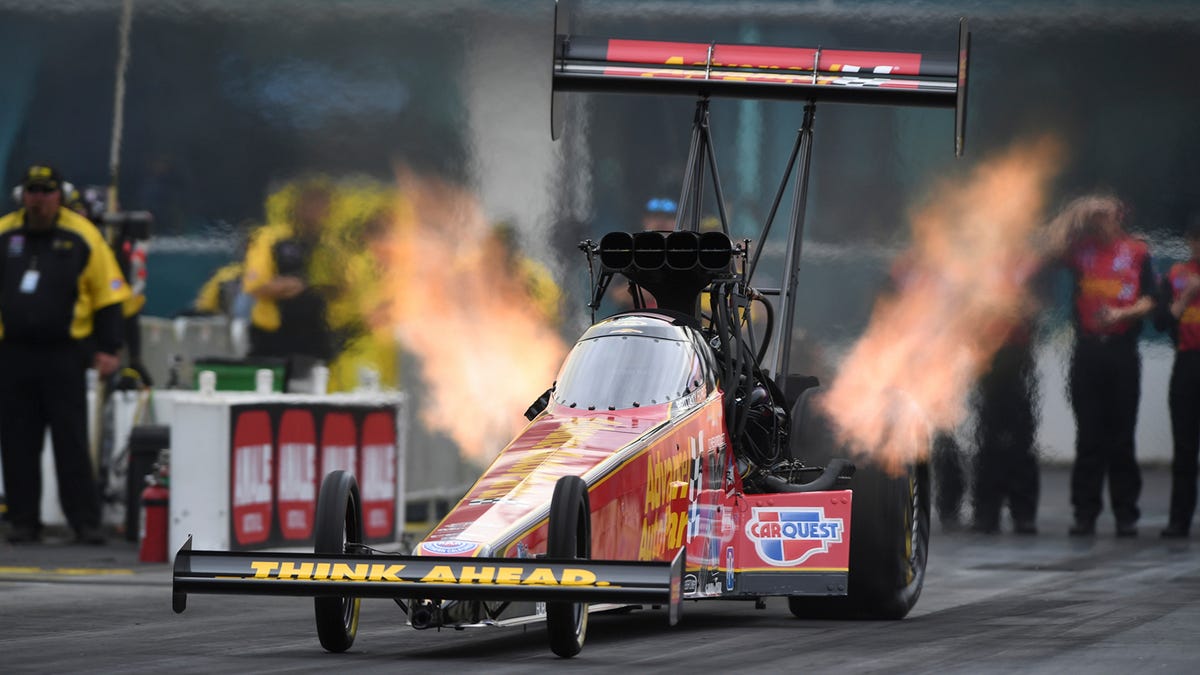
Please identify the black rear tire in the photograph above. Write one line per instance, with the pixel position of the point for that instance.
(338, 524)
(889, 529)
(569, 536)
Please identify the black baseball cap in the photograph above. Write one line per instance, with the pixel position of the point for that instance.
(44, 175)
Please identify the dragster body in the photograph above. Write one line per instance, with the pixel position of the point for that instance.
(638, 416)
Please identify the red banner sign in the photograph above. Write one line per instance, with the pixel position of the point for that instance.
(279, 455)
(377, 474)
(296, 487)
(250, 476)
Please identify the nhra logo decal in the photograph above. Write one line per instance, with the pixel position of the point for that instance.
(448, 547)
(788, 536)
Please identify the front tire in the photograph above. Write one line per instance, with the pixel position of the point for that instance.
(569, 536)
(338, 526)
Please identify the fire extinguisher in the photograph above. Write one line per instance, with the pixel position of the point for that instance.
(152, 533)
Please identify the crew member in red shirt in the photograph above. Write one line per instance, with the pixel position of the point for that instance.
(1113, 292)
(1179, 312)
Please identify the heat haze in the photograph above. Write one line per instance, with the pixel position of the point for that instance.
(484, 347)
(960, 287)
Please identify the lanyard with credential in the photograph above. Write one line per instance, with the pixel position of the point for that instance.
(29, 280)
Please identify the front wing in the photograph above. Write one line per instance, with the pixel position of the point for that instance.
(395, 576)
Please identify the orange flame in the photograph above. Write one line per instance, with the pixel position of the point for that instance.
(960, 291)
(485, 350)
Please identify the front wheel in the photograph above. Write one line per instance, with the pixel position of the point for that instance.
(569, 536)
(338, 527)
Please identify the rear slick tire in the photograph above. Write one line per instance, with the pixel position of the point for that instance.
(889, 546)
(569, 537)
(338, 526)
(889, 529)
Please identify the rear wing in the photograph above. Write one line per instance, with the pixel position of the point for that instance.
(593, 64)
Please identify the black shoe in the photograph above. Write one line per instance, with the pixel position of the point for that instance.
(24, 535)
(92, 536)
(1024, 526)
(1174, 531)
(1082, 528)
(1127, 530)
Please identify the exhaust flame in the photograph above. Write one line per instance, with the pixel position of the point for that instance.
(960, 289)
(459, 303)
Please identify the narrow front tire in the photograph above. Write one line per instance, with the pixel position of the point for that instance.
(338, 528)
(570, 536)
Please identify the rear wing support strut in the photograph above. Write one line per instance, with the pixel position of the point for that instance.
(801, 158)
(701, 153)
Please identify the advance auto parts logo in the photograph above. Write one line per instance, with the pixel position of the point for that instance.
(786, 537)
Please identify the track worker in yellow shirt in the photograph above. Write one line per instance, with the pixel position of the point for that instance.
(61, 292)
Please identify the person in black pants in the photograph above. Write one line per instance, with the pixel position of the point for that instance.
(1179, 312)
(1006, 468)
(1113, 291)
(60, 306)
(949, 479)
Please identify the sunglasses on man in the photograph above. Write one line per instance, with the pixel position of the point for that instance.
(41, 189)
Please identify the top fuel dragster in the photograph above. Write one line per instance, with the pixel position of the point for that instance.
(671, 460)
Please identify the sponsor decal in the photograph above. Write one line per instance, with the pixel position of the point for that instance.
(786, 537)
(296, 487)
(689, 584)
(378, 474)
(448, 547)
(250, 477)
(116, 284)
(666, 481)
(697, 480)
(534, 462)
(16, 245)
(729, 568)
(439, 574)
(339, 443)
(1103, 288)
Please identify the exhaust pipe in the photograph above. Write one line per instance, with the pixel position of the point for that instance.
(649, 250)
(616, 250)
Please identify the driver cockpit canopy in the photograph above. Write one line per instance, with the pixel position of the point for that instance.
(636, 360)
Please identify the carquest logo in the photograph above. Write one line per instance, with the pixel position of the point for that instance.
(448, 547)
(786, 537)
